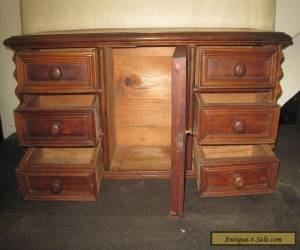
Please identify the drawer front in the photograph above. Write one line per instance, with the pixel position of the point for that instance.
(57, 71)
(238, 179)
(59, 186)
(237, 124)
(53, 128)
(237, 68)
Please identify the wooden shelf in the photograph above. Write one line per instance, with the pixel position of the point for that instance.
(141, 158)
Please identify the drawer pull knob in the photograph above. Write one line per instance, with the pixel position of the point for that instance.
(55, 73)
(56, 187)
(55, 129)
(238, 181)
(239, 127)
(240, 69)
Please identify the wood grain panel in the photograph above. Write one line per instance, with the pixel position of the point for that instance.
(141, 158)
(142, 94)
(144, 136)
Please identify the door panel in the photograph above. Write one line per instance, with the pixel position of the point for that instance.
(178, 136)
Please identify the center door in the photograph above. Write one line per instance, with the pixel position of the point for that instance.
(178, 133)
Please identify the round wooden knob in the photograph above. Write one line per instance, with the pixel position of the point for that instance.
(56, 187)
(55, 129)
(55, 73)
(238, 181)
(239, 127)
(240, 69)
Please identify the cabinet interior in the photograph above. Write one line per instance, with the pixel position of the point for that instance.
(65, 156)
(61, 101)
(214, 152)
(232, 98)
(139, 108)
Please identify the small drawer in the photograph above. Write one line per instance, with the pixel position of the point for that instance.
(60, 174)
(236, 68)
(57, 71)
(235, 170)
(244, 118)
(58, 121)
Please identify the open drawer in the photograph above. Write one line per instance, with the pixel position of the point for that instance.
(238, 118)
(235, 170)
(61, 174)
(58, 121)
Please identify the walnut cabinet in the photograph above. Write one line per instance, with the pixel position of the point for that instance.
(167, 103)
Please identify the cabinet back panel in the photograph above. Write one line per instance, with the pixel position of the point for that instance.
(142, 95)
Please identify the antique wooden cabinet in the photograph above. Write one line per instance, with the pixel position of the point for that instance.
(164, 103)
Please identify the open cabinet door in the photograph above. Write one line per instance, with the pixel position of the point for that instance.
(178, 137)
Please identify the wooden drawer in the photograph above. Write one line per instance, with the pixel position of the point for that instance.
(236, 68)
(57, 71)
(235, 170)
(235, 119)
(60, 174)
(58, 121)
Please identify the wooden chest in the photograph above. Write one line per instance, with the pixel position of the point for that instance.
(148, 103)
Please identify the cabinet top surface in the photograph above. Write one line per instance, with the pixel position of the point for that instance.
(147, 37)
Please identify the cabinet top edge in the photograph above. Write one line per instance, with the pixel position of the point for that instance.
(147, 37)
